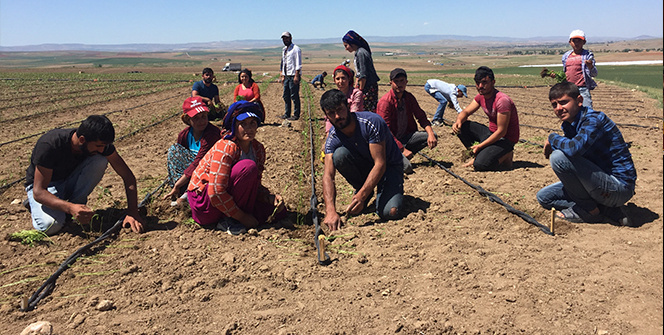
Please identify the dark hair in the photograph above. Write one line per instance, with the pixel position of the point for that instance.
(324, 73)
(97, 128)
(248, 73)
(482, 72)
(350, 75)
(207, 70)
(564, 88)
(332, 99)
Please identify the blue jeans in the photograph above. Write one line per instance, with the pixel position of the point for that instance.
(355, 169)
(442, 102)
(75, 189)
(585, 93)
(582, 183)
(291, 92)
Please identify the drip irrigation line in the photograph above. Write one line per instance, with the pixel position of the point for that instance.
(47, 287)
(79, 94)
(318, 231)
(494, 198)
(73, 107)
(79, 121)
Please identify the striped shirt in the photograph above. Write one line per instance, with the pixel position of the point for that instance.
(215, 171)
(594, 136)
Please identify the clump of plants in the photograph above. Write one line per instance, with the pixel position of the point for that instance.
(30, 237)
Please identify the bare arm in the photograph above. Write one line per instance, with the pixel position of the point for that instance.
(380, 165)
(432, 140)
(463, 116)
(332, 219)
(43, 176)
(195, 93)
(133, 218)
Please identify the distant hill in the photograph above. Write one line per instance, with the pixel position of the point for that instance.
(259, 44)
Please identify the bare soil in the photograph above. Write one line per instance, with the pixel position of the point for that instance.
(456, 264)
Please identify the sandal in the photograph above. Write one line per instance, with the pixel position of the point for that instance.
(577, 214)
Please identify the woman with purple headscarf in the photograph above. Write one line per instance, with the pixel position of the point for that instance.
(367, 79)
(225, 191)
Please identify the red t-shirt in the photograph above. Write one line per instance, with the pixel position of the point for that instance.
(501, 103)
(574, 71)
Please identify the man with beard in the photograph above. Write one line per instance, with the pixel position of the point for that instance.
(492, 147)
(209, 92)
(361, 147)
(291, 73)
(65, 166)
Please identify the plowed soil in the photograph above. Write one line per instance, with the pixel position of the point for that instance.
(456, 264)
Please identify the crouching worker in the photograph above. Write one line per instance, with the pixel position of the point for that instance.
(592, 161)
(192, 144)
(225, 191)
(361, 147)
(66, 165)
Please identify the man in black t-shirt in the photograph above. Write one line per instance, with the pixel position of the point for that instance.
(66, 165)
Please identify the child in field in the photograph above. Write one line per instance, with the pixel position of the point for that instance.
(579, 66)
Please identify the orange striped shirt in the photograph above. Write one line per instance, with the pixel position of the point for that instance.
(215, 171)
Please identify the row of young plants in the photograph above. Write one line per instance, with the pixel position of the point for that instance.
(69, 103)
(67, 93)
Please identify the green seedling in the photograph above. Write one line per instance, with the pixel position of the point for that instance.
(30, 237)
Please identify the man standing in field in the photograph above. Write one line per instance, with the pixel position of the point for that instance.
(444, 93)
(399, 109)
(291, 73)
(361, 147)
(66, 165)
(209, 92)
(492, 146)
(593, 162)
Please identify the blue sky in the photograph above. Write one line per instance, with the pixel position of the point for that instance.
(29, 22)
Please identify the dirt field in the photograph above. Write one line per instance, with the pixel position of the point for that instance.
(456, 264)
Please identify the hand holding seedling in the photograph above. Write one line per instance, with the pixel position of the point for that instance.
(81, 213)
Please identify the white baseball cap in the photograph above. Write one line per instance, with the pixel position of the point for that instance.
(285, 34)
(577, 34)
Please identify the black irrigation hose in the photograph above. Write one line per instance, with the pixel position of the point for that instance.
(494, 198)
(49, 284)
(314, 200)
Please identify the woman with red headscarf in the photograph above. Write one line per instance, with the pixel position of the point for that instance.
(344, 77)
(367, 79)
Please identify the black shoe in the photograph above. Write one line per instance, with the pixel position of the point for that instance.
(617, 216)
(284, 116)
(293, 118)
(26, 204)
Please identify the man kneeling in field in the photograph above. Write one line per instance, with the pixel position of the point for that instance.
(361, 147)
(66, 165)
